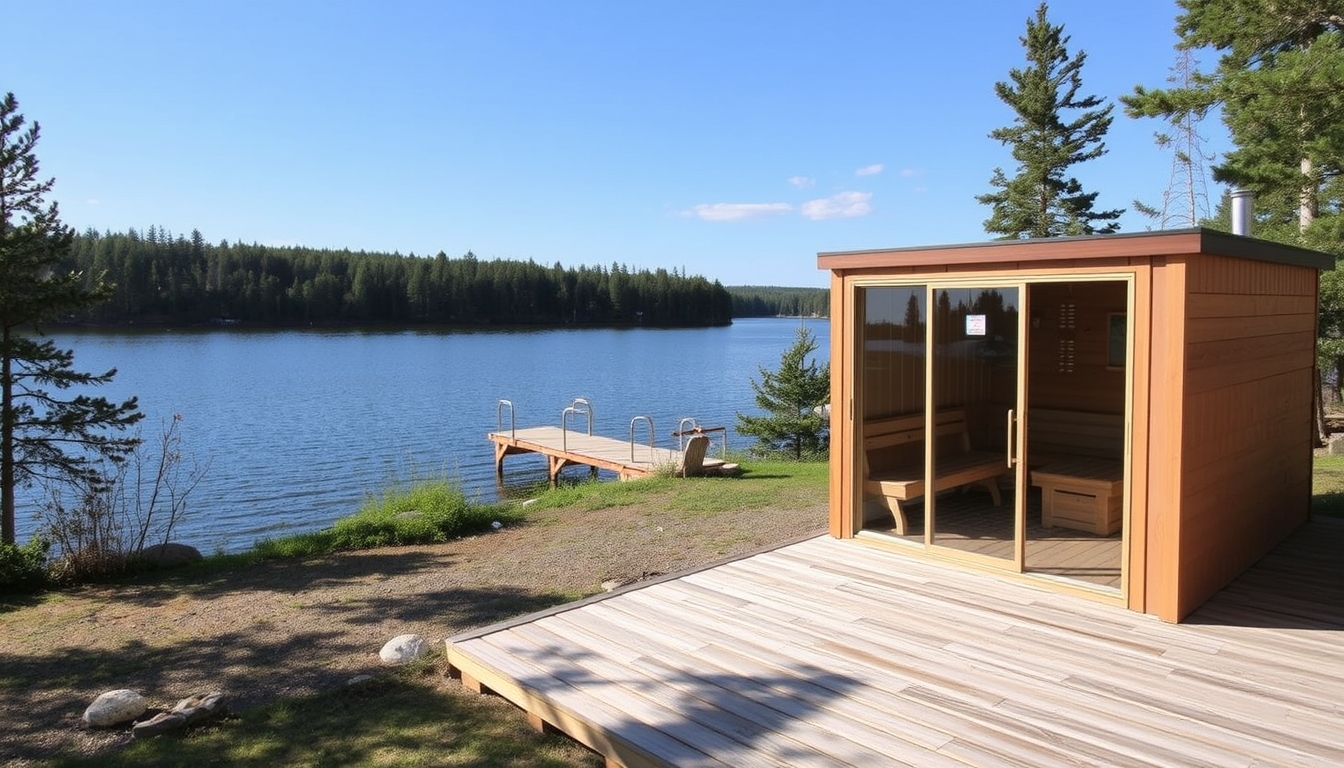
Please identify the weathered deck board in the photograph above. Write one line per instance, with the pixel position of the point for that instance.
(566, 447)
(831, 652)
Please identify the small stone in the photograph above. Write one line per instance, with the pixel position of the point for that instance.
(204, 706)
(403, 649)
(359, 680)
(158, 724)
(496, 525)
(114, 708)
(611, 584)
(171, 555)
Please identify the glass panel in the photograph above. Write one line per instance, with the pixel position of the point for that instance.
(975, 387)
(1075, 430)
(891, 404)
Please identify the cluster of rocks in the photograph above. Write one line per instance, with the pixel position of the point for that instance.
(117, 708)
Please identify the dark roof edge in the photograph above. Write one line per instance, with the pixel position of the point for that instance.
(1211, 241)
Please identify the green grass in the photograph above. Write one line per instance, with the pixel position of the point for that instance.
(1327, 486)
(409, 718)
(762, 484)
(422, 512)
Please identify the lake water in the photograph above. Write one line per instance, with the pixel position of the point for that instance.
(299, 427)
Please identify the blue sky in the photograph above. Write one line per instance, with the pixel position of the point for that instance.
(733, 140)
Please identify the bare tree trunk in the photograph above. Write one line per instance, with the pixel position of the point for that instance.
(1318, 399)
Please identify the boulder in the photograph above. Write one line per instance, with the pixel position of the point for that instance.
(403, 649)
(114, 708)
(170, 555)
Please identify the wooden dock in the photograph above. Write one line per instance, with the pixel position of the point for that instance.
(566, 447)
(830, 652)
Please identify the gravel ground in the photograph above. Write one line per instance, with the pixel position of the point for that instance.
(292, 628)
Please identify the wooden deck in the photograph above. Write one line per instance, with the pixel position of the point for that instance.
(830, 652)
(563, 448)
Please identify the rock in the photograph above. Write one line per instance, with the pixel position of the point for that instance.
(359, 680)
(403, 649)
(158, 724)
(612, 584)
(170, 555)
(114, 708)
(202, 706)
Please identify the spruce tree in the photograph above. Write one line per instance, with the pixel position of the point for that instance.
(42, 435)
(792, 399)
(1040, 200)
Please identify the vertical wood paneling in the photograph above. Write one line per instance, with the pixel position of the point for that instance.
(1090, 385)
(1134, 579)
(1246, 468)
(843, 478)
(1165, 384)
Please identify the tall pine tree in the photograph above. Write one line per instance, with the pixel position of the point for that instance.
(42, 435)
(1279, 83)
(1040, 200)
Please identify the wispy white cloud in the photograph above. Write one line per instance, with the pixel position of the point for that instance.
(842, 205)
(739, 211)
(802, 182)
(869, 170)
(909, 173)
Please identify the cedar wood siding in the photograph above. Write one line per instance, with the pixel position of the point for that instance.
(1245, 445)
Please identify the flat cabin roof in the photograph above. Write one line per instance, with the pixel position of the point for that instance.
(1144, 244)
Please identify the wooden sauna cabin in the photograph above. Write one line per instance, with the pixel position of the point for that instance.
(1124, 416)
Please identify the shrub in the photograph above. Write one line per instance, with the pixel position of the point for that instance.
(23, 568)
(132, 503)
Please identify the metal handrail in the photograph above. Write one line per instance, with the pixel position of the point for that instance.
(696, 429)
(579, 405)
(499, 418)
(649, 420)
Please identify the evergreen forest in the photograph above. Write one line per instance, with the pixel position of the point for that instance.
(161, 279)
(773, 301)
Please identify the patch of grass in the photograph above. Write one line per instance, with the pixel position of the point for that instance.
(762, 484)
(411, 717)
(1327, 486)
(424, 512)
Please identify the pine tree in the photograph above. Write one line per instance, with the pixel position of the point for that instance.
(42, 436)
(1040, 201)
(792, 398)
(1279, 84)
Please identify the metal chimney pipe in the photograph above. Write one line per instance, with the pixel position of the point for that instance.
(1243, 211)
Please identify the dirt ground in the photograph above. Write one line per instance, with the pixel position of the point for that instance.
(292, 628)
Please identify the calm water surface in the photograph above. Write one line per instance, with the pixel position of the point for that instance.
(299, 427)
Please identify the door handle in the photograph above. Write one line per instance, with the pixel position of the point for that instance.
(1012, 444)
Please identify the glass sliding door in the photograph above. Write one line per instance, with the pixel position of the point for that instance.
(973, 502)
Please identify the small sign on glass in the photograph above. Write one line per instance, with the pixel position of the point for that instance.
(975, 325)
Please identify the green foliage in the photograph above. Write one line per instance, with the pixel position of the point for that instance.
(1039, 201)
(166, 279)
(23, 568)
(42, 435)
(770, 301)
(790, 398)
(424, 512)
(1277, 85)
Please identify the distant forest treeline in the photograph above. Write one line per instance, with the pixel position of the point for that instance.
(184, 280)
(768, 301)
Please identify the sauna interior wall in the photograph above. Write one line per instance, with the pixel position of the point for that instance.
(1246, 425)
(1068, 353)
